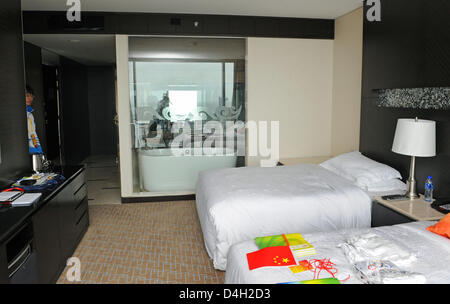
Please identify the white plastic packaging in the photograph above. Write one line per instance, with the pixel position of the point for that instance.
(386, 272)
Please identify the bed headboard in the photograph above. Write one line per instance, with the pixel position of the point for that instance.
(422, 60)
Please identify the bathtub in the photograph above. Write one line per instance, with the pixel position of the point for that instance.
(163, 170)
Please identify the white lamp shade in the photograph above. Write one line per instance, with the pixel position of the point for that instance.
(415, 138)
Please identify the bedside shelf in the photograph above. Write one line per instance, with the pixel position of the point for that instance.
(416, 209)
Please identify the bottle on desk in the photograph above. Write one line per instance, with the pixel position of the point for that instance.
(428, 196)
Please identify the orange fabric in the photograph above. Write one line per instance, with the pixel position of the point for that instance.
(442, 227)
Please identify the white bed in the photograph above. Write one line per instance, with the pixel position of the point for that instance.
(432, 254)
(239, 204)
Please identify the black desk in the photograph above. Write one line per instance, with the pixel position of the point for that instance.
(58, 220)
(12, 217)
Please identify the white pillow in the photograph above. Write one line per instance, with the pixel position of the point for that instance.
(360, 170)
(388, 185)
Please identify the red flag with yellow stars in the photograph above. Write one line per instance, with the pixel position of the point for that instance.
(271, 256)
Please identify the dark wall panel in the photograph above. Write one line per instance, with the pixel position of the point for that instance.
(50, 79)
(408, 48)
(74, 112)
(13, 127)
(34, 78)
(102, 109)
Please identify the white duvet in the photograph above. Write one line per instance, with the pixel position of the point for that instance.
(431, 252)
(239, 204)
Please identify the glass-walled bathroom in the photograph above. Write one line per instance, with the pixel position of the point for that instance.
(187, 102)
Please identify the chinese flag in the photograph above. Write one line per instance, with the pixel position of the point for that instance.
(271, 256)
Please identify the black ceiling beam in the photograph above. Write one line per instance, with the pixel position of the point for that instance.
(55, 22)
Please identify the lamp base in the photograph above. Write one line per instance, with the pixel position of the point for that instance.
(411, 183)
(411, 196)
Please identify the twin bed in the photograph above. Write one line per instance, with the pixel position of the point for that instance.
(238, 204)
(431, 254)
(242, 203)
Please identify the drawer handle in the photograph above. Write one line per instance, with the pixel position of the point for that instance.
(22, 258)
(80, 203)
(75, 193)
(79, 220)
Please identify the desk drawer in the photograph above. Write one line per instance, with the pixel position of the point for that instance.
(384, 216)
(78, 181)
(80, 195)
(81, 224)
(80, 209)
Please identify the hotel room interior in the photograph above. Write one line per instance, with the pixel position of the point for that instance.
(210, 142)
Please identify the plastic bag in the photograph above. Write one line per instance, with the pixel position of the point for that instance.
(386, 272)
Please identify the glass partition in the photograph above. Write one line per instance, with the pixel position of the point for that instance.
(187, 109)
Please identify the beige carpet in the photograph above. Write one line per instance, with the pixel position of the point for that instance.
(144, 243)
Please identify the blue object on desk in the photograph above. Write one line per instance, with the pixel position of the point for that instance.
(48, 185)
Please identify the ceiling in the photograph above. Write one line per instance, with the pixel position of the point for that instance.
(86, 49)
(327, 9)
(92, 49)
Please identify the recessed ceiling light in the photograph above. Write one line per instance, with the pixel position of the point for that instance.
(74, 40)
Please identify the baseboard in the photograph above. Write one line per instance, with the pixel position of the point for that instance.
(153, 199)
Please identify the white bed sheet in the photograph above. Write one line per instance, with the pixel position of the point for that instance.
(239, 204)
(431, 250)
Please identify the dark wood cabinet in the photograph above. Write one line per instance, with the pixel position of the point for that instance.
(383, 216)
(58, 228)
(66, 221)
(47, 241)
(3, 266)
(72, 207)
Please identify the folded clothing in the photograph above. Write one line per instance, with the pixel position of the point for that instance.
(370, 247)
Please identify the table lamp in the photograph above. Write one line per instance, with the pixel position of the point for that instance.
(415, 138)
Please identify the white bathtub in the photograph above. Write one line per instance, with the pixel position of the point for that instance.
(163, 170)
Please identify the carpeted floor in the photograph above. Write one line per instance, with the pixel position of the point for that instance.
(144, 243)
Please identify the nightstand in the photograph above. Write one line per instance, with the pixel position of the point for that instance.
(386, 213)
